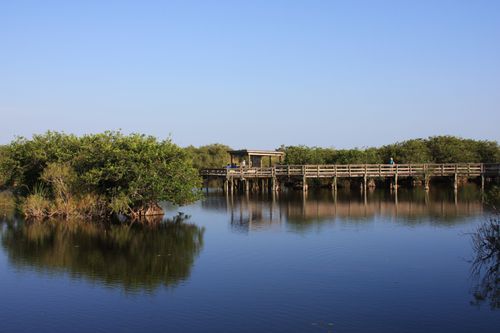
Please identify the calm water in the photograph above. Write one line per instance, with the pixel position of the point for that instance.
(287, 263)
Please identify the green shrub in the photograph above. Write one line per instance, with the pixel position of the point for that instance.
(98, 173)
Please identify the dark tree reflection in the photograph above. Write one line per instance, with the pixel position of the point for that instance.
(133, 256)
(486, 266)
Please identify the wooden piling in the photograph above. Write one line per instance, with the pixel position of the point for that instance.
(334, 184)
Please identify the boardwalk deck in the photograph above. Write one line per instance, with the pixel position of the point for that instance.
(359, 170)
(246, 178)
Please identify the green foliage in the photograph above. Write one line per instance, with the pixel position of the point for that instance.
(138, 167)
(26, 159)
(449, 149)
(411, 151)
(438, 149)
(110, 167)
(5, 170)
(307, 155)
(492, 197)
(209, 156)
(318, 155)
(357, 156)
(62, 179)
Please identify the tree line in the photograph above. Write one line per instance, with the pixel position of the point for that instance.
(436, 149)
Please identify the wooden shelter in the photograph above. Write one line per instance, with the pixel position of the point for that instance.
(253, 158)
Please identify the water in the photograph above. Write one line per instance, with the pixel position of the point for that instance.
(289, 263)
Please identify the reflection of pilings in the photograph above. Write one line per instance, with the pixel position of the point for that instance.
(256, 212)
(304, 197)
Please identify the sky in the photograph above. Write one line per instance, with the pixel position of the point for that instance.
(252, 74)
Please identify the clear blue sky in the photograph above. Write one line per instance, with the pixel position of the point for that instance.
(252, 74)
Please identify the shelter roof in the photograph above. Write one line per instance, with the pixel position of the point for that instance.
(253, 152)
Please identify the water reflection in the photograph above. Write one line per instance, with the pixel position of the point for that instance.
(135, 257)
(299, 210)
(486, 266)
(7, 205)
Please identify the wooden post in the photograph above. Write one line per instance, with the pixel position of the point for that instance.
(205, 183)
(304, 179)
(247, 185)
(396, 179)
(455, 180)
(427, 178)
(273, 180)
(482, 177)
(226, 186)
(334, 184)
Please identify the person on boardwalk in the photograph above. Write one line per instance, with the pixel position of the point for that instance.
(391, 161)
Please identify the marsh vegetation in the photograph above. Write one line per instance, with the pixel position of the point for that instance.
(61, 175)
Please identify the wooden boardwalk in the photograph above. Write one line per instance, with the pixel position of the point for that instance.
(279, 173)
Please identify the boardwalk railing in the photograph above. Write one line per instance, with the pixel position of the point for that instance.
(358, 170)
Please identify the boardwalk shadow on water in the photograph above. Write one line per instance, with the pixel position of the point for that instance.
(135, 257)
